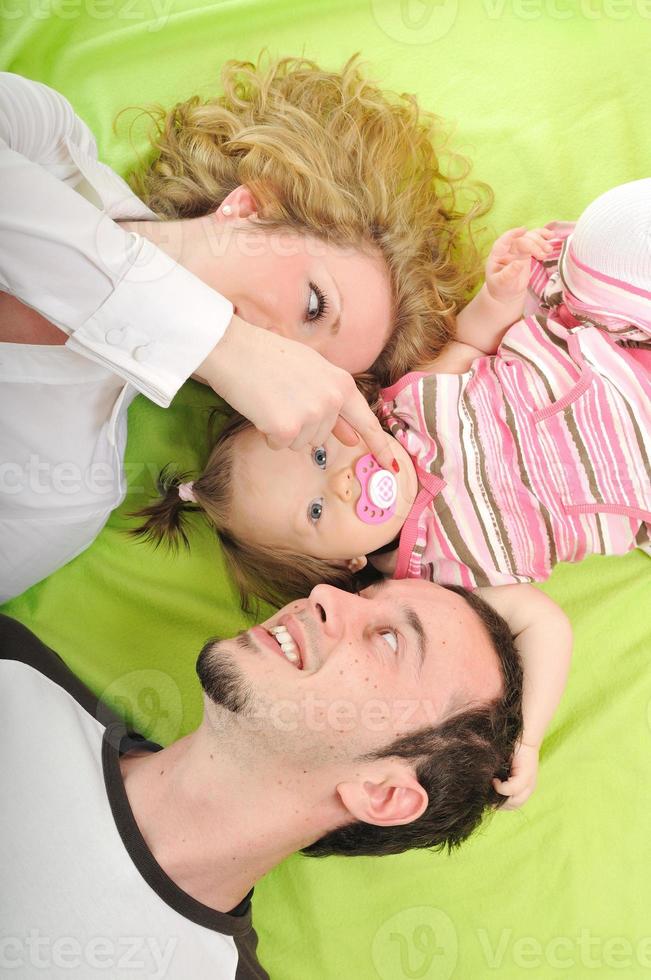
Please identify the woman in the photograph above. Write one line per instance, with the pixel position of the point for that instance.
(297, 220)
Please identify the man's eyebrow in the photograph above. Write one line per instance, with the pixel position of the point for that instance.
(414, 621)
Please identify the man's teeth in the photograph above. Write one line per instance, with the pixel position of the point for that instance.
(287, 645)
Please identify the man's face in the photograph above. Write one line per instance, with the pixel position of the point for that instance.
(346, 674)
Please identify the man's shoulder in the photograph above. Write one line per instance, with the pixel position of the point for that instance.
(19, 645)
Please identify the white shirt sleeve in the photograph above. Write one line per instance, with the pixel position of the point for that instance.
(123, 301)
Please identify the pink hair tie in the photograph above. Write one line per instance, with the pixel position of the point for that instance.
(186, 493)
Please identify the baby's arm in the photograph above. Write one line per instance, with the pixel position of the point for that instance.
(543, 637)
(500, 301)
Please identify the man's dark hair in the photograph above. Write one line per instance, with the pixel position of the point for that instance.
(455, 763)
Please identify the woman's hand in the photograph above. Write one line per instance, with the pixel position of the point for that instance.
(290, 393)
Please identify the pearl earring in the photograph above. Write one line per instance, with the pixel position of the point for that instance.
(227, 209)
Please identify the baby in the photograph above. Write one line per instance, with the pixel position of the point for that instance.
(527, 442)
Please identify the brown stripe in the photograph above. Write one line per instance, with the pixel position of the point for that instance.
(523, 357)
(439, 503)
(524, 477)
(588, 469)
(641, 445)
(452, 533)
(490, 500)
(643, 536)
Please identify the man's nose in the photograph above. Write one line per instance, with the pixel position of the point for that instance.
(332, 610)
(342, 483)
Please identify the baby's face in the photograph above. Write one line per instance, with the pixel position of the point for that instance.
(305, 502)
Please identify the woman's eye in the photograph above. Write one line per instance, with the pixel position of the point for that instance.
(315, 510)
(320, 456)
(317, 305)
(391, 638)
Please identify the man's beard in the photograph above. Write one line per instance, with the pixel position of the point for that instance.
(221, 679)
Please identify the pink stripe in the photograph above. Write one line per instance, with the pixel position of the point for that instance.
(602, 277)
(637, 513)
(431, 486)
(388, 394)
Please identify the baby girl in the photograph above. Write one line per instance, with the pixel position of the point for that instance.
(526, 443)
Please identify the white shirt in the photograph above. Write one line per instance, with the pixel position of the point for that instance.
(137, 321)
(82, 895)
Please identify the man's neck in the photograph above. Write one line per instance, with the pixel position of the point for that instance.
(214, 828)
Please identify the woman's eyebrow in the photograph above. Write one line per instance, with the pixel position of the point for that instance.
(334, 329)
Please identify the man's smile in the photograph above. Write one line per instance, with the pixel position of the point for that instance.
(285, 637)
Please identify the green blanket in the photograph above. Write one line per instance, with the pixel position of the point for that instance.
(550, 98)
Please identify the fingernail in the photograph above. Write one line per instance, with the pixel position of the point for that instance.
(394, 466)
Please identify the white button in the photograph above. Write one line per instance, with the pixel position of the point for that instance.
(140, 353)
(114, 335)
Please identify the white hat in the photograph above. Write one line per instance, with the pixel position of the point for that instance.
(606, 261)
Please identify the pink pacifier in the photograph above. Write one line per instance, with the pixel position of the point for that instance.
(377, 502)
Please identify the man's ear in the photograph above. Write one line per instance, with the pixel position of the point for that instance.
(241, 202)
(398, 798)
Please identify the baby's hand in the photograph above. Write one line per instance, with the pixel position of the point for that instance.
(509, 262)
(522, 781)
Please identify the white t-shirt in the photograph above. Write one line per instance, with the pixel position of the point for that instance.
(137, 321)
(82, 895)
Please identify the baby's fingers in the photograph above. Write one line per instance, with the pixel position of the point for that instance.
(507, 787)
(517, 790)
(503, 245)
(533, 243)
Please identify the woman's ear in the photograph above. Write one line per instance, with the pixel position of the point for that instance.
(240, 203)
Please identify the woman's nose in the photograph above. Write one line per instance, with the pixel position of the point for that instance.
(342, 483)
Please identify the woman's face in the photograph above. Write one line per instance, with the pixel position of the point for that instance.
(335, 300)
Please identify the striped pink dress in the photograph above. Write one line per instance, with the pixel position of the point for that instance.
(536, 455)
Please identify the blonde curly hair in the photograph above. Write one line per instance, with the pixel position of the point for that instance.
(330, 154)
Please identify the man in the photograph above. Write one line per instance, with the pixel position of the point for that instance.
(348, 724)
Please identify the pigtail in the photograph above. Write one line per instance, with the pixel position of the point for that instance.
(163, 521)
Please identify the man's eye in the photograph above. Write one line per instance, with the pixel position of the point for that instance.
(317, 305)
(315, 510)
(391, 639)
(320, 456)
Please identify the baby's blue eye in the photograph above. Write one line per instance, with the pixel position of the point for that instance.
(315, 510)
(320, 456)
